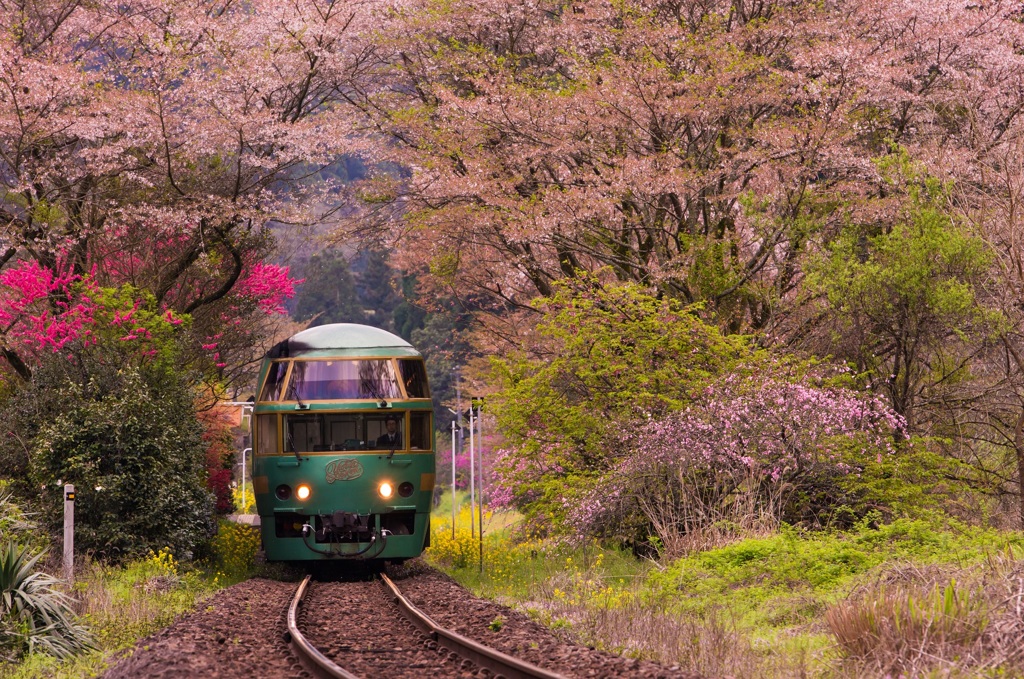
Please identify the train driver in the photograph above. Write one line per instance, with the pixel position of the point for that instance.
(392, 438)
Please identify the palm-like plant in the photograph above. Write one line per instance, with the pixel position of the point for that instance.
(33, 614)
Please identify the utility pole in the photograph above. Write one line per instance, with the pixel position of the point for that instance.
(453, 479)
(458, 417)
(472, 477)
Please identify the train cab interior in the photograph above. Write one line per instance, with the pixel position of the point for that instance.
(350, 431)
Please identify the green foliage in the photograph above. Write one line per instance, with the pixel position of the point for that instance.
(904, 300)
(15, 524)
(608, 355)
(443, 342)
(755, 577)
(131, 444)
(34, 615)
(329, 291)
(129, 312)
(920, 482)
(376, 287)
(113, 414)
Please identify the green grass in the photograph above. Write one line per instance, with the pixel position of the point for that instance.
(122, 604)
(756, 607)
(758, 579)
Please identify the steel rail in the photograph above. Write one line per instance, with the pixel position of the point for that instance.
(484, 656)
(312, 659)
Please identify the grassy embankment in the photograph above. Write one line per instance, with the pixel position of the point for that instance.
(122, 604)
(911, 598)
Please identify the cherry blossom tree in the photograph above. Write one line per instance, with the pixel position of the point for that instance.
(701, 147)
(151, 142)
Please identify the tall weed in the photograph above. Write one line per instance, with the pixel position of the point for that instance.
(959, 620)
(234, 552)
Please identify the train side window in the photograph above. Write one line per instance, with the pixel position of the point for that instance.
(303, 432)
(414, 377)
(266, 433)
(419, 431)
(275, 380)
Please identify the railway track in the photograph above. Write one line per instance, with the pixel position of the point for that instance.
(418, 646)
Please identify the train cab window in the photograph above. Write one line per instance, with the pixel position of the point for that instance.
(342, 380)
(315, 432)
(414, 377)
(419, 431)
(275, 380)
(266, 433)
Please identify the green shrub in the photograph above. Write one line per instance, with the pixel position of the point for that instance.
(130, 442)
(15, 524)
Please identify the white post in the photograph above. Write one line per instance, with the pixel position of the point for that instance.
(69, 533)
(472, 477)
(244, 450)
(453, 479)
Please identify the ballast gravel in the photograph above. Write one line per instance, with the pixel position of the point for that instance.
(240, 632)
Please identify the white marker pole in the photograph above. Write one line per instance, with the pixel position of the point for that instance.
(244, 451)
(69, 533)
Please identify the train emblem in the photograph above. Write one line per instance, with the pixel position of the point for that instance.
(343, 469)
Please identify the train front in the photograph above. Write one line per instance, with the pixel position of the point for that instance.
(343, 441)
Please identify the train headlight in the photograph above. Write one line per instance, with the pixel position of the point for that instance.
(405, 489)
(385, 490)
(303, 492)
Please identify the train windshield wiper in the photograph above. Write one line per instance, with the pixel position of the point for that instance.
(291, 444)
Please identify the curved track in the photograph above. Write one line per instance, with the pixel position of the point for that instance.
(452, 651)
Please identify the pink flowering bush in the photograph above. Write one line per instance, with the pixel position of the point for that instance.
(763, 450)
(42, 309)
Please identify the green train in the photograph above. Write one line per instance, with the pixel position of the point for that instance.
(343, 447)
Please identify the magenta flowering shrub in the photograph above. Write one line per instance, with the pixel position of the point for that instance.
(462, 465)
(44, 311)
(26, 314)
(747, 447)
(269, 285)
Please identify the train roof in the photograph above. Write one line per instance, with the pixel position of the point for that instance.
(341, 339)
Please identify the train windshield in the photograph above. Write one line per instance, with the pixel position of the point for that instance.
(314, 432)
(342, 379)
(414, 377)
